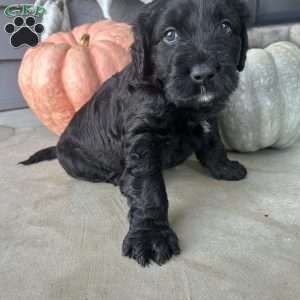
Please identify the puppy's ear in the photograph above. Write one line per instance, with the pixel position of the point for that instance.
(140, 50)
(244, 17)
(244, 48)
(142, 30)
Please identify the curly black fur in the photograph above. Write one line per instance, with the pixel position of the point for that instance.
(158, 111)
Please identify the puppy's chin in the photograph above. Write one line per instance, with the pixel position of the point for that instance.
(197, 101)
(206, 98)
(209, 103)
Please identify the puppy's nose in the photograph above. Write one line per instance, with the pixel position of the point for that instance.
(200, 73)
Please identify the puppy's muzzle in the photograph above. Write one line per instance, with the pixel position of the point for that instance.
(201, 74)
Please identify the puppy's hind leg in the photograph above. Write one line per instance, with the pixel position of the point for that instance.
(84, 166)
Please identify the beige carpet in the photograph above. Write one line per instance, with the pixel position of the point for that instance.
(61, 238)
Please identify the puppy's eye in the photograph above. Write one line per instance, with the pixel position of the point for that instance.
(226, 27)
(170, 36)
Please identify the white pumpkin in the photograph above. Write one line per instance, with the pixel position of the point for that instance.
(265, 110)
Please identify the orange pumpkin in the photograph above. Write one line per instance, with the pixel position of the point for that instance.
(61, 74)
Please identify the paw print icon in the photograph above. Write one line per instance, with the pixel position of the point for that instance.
(24, 31)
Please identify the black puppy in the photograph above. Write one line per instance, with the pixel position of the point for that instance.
(158, 111)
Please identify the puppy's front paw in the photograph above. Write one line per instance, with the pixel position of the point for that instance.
(144, 246)
(228, 170)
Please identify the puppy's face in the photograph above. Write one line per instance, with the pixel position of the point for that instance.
(194, 48)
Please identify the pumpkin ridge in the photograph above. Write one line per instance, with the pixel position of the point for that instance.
(255, 104)
(119, 59)
(38, 104)
(89, 82)
(53, 103)
(296, 135)
(60, 124)
(93, 62)
(249, 81)
(62, 80)
(25, 78)
(113, 39)
(267, 136)
(280, 94)
(86, 42)
(107, 67)
(112, 42)
(62, 38)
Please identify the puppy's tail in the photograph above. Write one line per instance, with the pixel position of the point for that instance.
(44, 154)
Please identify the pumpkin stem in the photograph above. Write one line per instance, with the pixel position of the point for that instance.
(85, 40)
